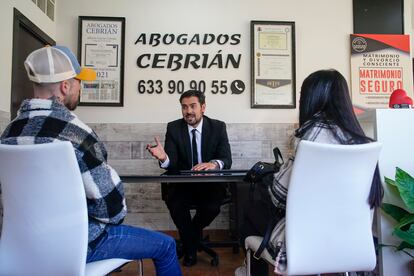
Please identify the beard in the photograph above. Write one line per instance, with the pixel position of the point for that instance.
(191, 119)
(72, 99)
(72, 105)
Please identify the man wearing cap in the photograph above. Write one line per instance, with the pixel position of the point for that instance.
(56, 77)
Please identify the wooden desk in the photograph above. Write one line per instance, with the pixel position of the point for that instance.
(238, 189)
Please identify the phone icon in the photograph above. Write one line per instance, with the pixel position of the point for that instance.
(237, 87)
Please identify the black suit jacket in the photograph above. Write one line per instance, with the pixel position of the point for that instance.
(214, 144)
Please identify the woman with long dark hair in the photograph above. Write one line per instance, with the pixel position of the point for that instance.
(325, 116)
(325, 105)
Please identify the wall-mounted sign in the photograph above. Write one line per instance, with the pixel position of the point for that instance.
(273, 76)
(380, 64)
(186, 58)
(101, 47)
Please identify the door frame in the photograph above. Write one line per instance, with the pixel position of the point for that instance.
(21, 21)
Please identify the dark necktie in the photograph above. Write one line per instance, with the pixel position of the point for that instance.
(194, 147)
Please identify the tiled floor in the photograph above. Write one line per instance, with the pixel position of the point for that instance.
(228, 262)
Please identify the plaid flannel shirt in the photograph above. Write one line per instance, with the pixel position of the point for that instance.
(47, 121)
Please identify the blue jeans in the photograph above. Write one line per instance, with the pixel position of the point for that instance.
(127, 242)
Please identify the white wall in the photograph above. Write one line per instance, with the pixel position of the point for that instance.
(396, 152)
(322, 38)
(34, 14)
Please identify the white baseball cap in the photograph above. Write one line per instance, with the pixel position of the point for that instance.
(55, 64)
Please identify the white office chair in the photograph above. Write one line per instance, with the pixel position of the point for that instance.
(45, 223)
(328, 218)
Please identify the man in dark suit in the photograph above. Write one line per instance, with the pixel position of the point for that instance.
(194, 142)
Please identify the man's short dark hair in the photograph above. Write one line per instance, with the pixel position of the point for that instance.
(194, 93)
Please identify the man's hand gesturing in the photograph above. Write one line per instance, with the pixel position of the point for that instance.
(157, 150)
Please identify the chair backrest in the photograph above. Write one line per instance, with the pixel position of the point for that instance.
(45, 223)
(328, 218)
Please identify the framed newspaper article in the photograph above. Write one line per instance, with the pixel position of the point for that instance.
(273, 77)
(101, 47)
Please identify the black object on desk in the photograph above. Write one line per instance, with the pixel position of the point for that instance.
(188, 176)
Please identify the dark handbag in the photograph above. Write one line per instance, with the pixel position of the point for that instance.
(262, 173)
(261, 169)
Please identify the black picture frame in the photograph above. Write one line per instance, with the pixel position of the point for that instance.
(273, 64)
(101, 46)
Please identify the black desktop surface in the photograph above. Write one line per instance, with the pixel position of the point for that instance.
(189, 176)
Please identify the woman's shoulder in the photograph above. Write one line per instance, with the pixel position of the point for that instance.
(326, 132)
